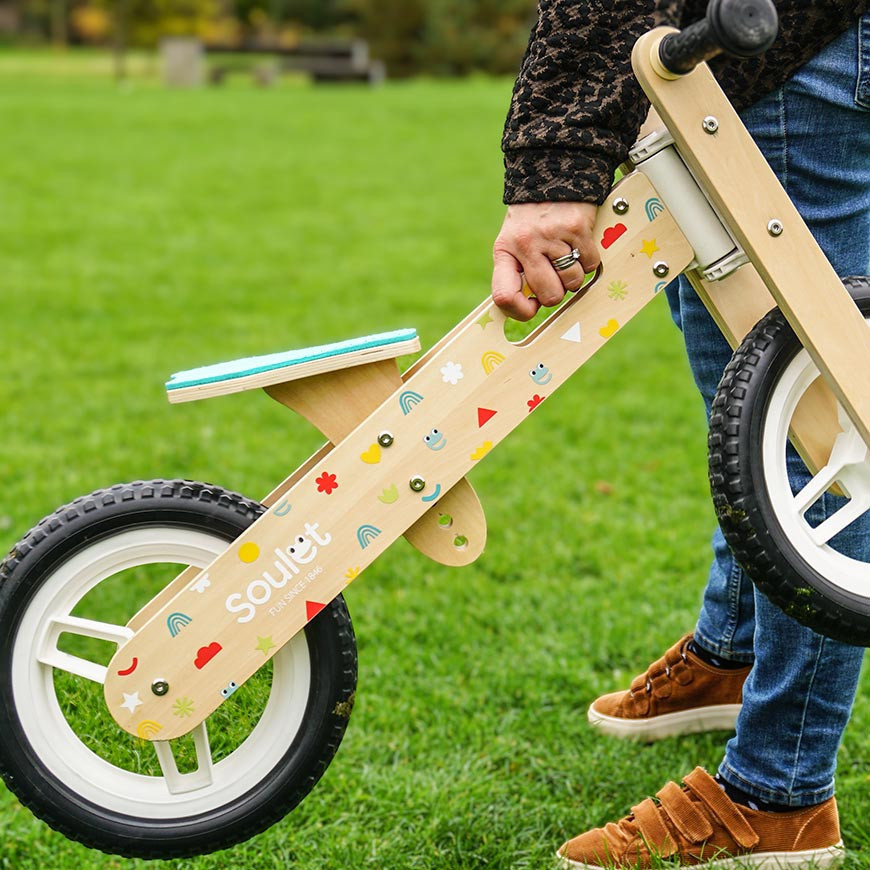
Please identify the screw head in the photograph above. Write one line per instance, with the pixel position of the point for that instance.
(660, 269)
(159, 687)
(710, 124)
(385, 439)
(774, 227)
(620, 205)
(417, 483)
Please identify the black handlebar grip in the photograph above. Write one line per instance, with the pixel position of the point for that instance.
(744, 28)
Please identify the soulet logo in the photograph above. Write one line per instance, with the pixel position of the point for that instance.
(286, 568)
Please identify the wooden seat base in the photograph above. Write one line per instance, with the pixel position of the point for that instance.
(334, 387)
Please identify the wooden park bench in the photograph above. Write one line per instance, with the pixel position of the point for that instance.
(323, 61)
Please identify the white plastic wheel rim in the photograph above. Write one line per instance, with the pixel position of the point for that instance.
(89, 775)
(851, 575)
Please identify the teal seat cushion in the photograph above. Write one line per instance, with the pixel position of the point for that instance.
(253, 365)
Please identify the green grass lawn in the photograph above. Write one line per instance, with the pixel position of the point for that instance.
(144, 231)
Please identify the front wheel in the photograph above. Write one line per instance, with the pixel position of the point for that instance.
(807, 546)
(67, 590)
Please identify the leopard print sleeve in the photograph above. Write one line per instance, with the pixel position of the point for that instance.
(576, 106)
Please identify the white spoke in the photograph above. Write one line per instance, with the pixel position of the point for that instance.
(848, 452)
(189, 781)
(819, 485)
(202, 777)
(838, 521)
(56, 658)
(118, 634)
(848, 466)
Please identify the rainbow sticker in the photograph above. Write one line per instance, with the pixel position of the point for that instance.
(409, 400)
(365, 534)
(491, 360)
(653, 207)
(147, 728)
(176, 621)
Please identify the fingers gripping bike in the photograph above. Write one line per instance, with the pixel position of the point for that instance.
(239, 668)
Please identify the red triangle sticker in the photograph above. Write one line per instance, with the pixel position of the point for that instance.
(312, 608)
(484, 415)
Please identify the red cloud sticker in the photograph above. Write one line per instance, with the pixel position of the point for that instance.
(206, 654)
(611, 234)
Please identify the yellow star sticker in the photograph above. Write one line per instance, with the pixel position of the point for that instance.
(649, 247)
(264, 644)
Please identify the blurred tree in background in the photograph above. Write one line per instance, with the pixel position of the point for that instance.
(446, 37)
(438, 37)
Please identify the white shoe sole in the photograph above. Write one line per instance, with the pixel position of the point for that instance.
(811, 859)
(719, 717)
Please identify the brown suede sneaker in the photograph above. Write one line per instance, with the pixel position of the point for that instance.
(678, 694)
(699, 823)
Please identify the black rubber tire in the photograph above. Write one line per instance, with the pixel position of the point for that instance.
(740, 495)
(331, 649)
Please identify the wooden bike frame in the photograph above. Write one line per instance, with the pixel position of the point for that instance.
(396, 465)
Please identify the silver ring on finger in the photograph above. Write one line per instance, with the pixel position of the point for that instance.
(566, 261)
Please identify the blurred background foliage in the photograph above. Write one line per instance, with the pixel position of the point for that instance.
(435, 37)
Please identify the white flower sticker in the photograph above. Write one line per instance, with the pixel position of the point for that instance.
(451, 373)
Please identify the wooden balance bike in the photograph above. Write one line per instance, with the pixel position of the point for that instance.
(263, 580)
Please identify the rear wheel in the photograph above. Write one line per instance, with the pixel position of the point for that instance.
(68, 589)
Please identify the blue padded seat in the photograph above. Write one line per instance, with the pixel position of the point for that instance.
(287, 361)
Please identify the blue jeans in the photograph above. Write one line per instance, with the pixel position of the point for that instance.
(815, 133)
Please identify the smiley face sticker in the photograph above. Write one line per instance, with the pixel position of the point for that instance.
(435, 440)
(541, 375)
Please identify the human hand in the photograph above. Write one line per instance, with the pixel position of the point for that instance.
(532, 236)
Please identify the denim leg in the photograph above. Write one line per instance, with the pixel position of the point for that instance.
(797, 699)
(726, 622)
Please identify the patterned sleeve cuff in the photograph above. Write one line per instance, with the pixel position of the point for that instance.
(554, 175)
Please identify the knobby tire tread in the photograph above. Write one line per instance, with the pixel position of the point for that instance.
(739, 498)
(217, 837)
